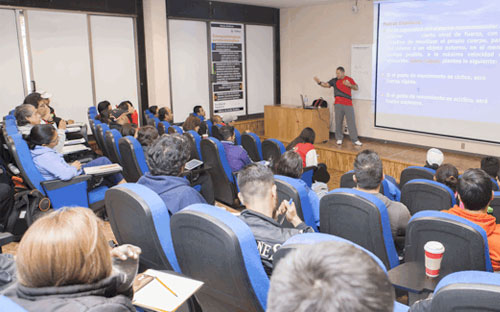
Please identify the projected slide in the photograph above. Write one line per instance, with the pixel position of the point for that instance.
(438, 68)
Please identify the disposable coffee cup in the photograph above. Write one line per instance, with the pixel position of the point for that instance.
(433, 255)
(205, 136)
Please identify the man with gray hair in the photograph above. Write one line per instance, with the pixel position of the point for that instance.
(368, 175)
(258, 194)
(329, 276)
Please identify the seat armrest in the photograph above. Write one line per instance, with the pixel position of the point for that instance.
(57, 184)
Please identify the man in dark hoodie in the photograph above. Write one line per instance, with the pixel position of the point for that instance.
(166, 159)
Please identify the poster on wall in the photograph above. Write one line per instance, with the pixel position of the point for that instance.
(228, 77)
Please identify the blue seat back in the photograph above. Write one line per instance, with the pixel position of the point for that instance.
(423, 194)
(291, 188)
(495, 184)
(390, 190)
(307, 175)
(111, 139)
(362, 218)
(210, 243)
(415, 172)
(133, 160)
(7, 117)
(251, 143)
(215, 158)
(272, 150)
(175, 129)
(138, 216)
(92, 109)
(209, 126)
(237, 136)
(467, 291)
(197, 141)
(101, 129)
(495, 205)
(466, 243)
(157, 121)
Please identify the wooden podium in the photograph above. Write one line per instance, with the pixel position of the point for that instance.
(285, 122)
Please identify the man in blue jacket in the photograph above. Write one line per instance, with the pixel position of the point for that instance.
(166, 159)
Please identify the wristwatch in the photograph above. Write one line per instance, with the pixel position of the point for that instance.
(320, 83)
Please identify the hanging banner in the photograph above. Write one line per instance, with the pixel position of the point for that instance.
(228, 77)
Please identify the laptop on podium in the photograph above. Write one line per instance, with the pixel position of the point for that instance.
(304, 106)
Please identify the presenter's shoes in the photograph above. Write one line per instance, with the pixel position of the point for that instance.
(358, 143)
(339, 142)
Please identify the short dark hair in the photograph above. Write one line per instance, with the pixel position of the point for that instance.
(168, 155)
(475, 189)
(153, 109)
(124, 105)
(103, 106)
(191, 123)
(128, 129)
(146, 135)
(290, 165)
(368, 170)
(490, 165)
(22, 112)
(329, 276)
(40, 135)
(196, 109)
(33, 99)
(255, 181)
(226, 132)
(162, 113)
(341, 69)
(448, 175)
(306, 136)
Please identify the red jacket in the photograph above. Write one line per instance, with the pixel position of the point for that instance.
(488, 223)
(302, 149)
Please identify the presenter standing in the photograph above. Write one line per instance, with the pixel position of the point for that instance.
(342, 86)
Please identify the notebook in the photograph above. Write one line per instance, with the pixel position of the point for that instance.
(162, 291)
(103, 170)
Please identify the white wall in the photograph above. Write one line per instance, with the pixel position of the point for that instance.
(155, 28)
(315, 40)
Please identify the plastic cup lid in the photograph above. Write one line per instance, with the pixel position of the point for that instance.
(434, 247)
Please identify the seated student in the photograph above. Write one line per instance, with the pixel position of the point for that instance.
(290, 165)
(166, 159)
(133, 116)
(146, 135)
(165, 114)
(258, 194)
(236, 155)
(475, 192)
(42, 99)
(154, 110)
(303, 145)
(104, 109)
(64, 263)
(199, 112)
(118, 119)
(329, 276)
(434, 158)
(490, 165)
(51, 164)
(192, 123)
(28, 116)
(217, 120)
(448, 175)
(368, 175)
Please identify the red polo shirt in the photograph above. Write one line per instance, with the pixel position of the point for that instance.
(342, 92)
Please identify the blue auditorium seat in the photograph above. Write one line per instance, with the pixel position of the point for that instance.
(175, 129)
(272, 150)
(415, 172)
(290, 188)
(111, 139)
(423, 194)
(73, 192)
(163, 127)
(6, 304)
(251, 143)
(195, 140)
(361, 218)
(133, 161)
(216, 247)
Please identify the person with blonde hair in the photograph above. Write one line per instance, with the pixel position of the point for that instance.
(64, 263)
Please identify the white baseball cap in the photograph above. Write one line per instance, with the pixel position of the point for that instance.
(435, 156)
(45, 95)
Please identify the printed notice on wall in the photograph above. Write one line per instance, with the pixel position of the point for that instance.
(228, 77)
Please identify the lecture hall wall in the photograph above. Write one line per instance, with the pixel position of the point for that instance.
(317, 39)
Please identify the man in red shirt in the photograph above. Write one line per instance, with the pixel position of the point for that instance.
(342, 86)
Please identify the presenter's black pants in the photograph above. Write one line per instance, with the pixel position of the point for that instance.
(348, 112)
